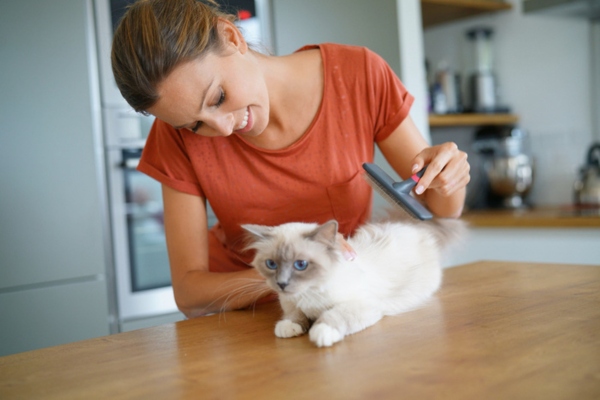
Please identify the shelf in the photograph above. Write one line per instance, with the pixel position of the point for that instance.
(436, 12)
(437, 120)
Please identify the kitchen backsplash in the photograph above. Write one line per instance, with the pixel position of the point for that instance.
(558, 157)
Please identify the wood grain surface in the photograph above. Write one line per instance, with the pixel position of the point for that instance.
(496, 330)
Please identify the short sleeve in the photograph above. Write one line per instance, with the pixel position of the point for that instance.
(389, 100)
(165, 159)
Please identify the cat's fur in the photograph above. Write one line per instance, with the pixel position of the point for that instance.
(396, 269)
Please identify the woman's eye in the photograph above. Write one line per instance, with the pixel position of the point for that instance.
(271, 264)
(300, 265)
(196, 127)
(217, 104)
(221, 98)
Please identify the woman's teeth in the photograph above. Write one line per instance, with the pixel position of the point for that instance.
(244, 122)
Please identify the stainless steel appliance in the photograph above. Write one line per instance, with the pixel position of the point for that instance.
(483, 83)
(506, 168)
(587, 185)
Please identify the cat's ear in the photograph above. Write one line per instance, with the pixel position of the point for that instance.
(326, 233)
(258, 231)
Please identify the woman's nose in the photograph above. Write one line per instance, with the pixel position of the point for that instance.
(223, 124)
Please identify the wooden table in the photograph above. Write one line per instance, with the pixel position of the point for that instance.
(495, 330)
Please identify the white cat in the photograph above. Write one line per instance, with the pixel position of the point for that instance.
(396, 269)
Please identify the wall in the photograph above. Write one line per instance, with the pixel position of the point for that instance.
(544, 69)
(596, 78)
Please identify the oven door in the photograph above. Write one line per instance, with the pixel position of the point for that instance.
(142, 274)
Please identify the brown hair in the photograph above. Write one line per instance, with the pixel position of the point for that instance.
(154, 37)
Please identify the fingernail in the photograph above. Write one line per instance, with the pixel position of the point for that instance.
(349, 255)
(420, 189)
(415, 168)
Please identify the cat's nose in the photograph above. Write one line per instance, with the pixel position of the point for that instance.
(282, 285)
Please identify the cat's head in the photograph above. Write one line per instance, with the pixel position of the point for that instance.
(295, 256)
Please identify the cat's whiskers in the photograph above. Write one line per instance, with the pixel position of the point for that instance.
(250, 289)
(234, 290)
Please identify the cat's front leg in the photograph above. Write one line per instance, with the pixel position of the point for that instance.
(324, 335)
(294, 322)
(342, 320)
(287, 329)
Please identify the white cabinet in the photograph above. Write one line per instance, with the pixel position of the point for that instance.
(52, 315)
(52, 258)
(548, 245)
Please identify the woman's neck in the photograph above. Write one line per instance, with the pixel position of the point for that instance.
(295, 87)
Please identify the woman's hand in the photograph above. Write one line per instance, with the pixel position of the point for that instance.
(447, 169)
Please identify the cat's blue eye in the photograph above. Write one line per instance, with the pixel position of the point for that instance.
(300, 265)
(271, 264)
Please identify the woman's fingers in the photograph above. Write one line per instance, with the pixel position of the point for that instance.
(447, 169)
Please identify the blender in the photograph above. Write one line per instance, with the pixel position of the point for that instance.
(483, 86)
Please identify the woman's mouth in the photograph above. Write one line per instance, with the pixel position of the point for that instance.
(246, 123)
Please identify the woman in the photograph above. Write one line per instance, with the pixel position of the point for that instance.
(264, 139)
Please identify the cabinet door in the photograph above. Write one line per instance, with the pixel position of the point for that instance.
(50, 193)
(53, 315)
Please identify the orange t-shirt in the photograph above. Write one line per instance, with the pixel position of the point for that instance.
(316, 179)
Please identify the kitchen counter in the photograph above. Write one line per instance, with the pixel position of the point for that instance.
(494, 330)
(541, 217)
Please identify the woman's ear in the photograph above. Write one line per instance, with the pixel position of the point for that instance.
(231, 35)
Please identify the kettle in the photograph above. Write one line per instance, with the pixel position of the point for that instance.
(587, 185)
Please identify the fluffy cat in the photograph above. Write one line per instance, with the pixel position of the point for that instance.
(397, 268)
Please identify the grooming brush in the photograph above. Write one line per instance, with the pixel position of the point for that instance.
(398, 192)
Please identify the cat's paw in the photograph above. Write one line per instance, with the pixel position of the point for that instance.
(324, 335)
(286, 329)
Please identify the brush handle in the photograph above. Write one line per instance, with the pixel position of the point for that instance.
(407, 185)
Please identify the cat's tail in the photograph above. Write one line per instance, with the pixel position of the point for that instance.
(448, 231)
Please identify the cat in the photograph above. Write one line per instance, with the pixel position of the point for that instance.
(396, 269)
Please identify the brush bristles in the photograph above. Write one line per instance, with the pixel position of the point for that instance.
(407, 203)
(389, 197)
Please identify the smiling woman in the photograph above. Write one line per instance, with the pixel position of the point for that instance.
(264, 139)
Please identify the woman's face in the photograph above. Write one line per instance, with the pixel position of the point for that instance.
(217, 95)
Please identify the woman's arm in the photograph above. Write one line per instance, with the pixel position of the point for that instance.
(443, 186)
(198, 291)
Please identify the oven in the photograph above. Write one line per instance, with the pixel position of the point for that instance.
(142, 275)
(142, 279)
